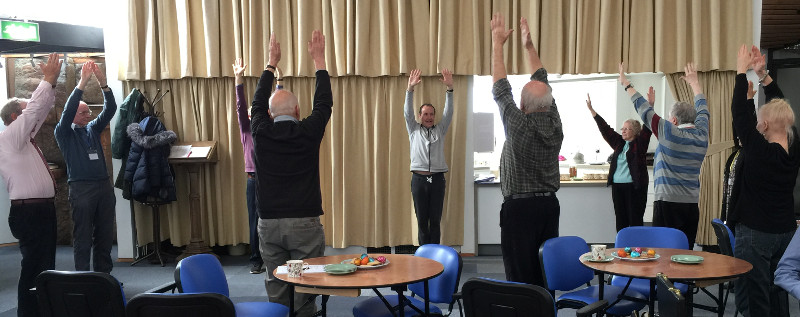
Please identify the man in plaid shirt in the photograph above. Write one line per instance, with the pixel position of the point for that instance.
(529, 176)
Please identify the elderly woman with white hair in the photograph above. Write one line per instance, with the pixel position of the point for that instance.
(627, 174)
(764, 207)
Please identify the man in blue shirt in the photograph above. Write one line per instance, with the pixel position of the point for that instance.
(90, 192)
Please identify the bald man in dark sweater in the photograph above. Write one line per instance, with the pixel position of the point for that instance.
(286, 154)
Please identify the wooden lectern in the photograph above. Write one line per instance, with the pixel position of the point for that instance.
(193, 155)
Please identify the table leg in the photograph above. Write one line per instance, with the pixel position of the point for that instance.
(600, 284)
(292, 313)
(689, 301)
(651, 300)
(720, 307)
(324, 305)
(427, 299)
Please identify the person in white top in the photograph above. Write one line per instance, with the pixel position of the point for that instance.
(427, 157)
(30, 185)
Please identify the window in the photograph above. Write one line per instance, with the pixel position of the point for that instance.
(569, 91)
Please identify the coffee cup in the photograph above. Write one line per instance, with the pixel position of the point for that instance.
(598, 252)
(295, 267)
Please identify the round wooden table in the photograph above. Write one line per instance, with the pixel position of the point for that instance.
(403, 269)
(714, 267)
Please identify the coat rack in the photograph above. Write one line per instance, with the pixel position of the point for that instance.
(153, 102)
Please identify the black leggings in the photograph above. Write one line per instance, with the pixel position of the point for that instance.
(629, 204)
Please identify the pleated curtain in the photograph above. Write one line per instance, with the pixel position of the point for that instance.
(187, 46)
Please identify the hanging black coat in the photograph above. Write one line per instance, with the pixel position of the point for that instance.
(148, 167)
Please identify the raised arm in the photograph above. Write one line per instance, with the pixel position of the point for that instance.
(260, 109)
(499, 37)
(323, 96)
(408, 107)
(109, 103)
(71, 108)
(241, 104)
(447, 114)
(533, 56)
(759, 63)
(589, 105)
(690, 77)
(25, 125)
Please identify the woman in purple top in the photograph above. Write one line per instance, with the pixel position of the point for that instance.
(247, 145)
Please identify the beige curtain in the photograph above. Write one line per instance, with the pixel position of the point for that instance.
(173, 39)
(187, 46)
(718, 87)
(364, 160)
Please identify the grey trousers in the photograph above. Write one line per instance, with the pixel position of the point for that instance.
(286, 239)
(93, 215)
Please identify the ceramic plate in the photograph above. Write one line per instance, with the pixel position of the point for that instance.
(588, 257)
(687, 259)
(366, 267)
(336, 269)
(640, 259)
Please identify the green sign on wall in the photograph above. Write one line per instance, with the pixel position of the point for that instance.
(19, 31)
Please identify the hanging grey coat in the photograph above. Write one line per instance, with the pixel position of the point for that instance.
(148, 166)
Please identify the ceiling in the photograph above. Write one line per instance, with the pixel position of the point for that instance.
(57, 37)
(780, 23)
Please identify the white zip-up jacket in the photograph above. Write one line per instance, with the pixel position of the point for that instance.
(427, 145)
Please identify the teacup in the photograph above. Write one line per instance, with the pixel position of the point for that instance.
(296, 267)
(598, 252)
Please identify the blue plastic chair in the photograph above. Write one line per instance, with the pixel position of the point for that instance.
(724, 248)
(563, 271)
(180, 305)
(202, 273)
(649, 237)
(440, 288)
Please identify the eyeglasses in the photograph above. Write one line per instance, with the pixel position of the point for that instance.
(85, 113)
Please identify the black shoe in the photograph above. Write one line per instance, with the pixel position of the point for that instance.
(257, 269)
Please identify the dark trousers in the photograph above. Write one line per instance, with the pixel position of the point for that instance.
(428, 203)
(629, 204)
(34, 225)
(252, 213)
(681, 216)
(524, 225)
(93, 216)
(756, 292)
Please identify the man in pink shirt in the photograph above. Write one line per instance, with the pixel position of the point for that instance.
(30, 185)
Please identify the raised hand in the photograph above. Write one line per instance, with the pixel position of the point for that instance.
(447, 78)
(525, 32)
(274, 50)
(86, 72)
(316, 47)
(622, 79)
(51, 68)
(499, 32)
(751, 93)
(100, 75)
(690, 76)
(238, 70)
(413, 79)
(651, 96)
(743, 60)
(589, 105)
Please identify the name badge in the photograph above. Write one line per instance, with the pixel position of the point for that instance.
(93, 155)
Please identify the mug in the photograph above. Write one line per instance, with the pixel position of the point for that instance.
(296, 267)
(598, 252)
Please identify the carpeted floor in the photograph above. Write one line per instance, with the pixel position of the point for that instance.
(250, 287)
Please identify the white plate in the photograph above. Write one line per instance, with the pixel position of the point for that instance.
(367, 267)
(640, 259)
(588, 257)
